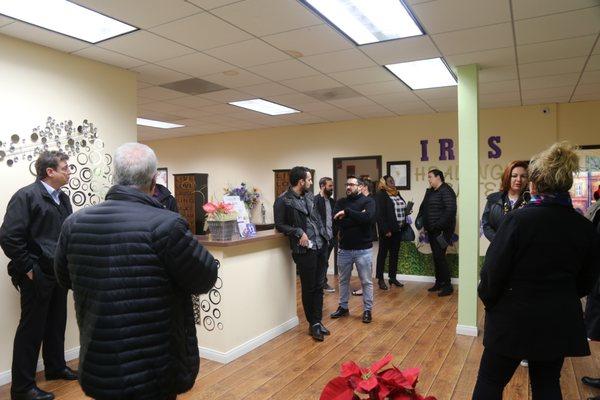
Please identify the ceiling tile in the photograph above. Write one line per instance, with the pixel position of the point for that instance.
(225, 96)
(150, 13)
(485, 59)
(235, 78)
(443, 105)
(5, 20)
(158, 75)
(159, 93)
(109, 57)
(161, 107)
(335, 115)
(437, 93)
(364, 75)
(411, 107)
(44, 37)
(196, 64)
(311, 83)
(549, 81)
(370, 89)
(558, 26)
(593, 63)
(281, 70)
(310, 40)
(266, 89)
(140, 84)
(248, 53)
(371, 112)
(590, 77)
(547, 93)
(157, 115)
(190, 112)
(353, 102)
(292, 99)
(144, 100)
(401, 50)
(264, 17)
(393, 98)
(210, 4)
(145, 46)
(476, 39)
(488, 98)
(339, 61)
(317, 106)
(555, 67)
(587, 92)
(303, 118)
(499, 87)
(219, 109)
(555, 49)
(500, 103)
(498, 74)
(201, 31)
(546, 100)
(536, 8)
(449, 15)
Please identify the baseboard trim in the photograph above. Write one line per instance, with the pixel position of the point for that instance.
(467, 330)
(236, 352)
(71, 354)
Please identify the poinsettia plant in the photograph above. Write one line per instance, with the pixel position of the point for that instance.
(219, 211)
(390, 384)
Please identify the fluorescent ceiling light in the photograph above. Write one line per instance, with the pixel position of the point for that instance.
(263, 106)
(424, 74)
(368, 21)
(66, 18)
(157, 124)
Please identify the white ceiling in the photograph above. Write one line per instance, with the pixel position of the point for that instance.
(529, 51)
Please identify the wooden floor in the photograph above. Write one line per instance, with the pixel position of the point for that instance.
(416, 327)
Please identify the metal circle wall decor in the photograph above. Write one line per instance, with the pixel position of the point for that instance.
(217, 313)
(78, 198)
(206, 311)
(214, 296)
(85, 174)
(74, 183)
(209, 323)
(205, 305)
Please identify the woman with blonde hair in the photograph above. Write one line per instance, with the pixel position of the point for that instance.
(540, 263)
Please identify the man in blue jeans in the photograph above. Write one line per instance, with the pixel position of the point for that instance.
(354, 216)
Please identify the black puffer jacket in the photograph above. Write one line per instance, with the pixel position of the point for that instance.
(438, 211)
(164, 197)
(132, 266)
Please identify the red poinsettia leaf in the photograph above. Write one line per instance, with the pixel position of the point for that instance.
(384, 391)
(377, 365)
(337, 389)
(419, 397)
(366, 385)
(411, 375)
(350, 369)
(401, 395)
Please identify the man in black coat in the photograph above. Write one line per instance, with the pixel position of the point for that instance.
(298, 219)
(164, 197)
(133, 266)
(324, 204)
(28, 236)
(437, 215)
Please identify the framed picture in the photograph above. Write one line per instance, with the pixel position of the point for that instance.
(162, 176)
(400, 171)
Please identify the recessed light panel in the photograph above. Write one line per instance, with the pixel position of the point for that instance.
(265, 107)
(424, 74)
(157, 124)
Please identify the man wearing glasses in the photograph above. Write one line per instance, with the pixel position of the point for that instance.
(29, 236)
(354, 215)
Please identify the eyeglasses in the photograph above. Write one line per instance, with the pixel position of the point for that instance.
(351, 184)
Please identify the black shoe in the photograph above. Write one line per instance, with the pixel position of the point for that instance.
(594, 398)
(367, 318)
(66, 374)
(396, 283)
(35, 393)
(447, 290)
(324, 330)
(593, 382)
(340, 312)
(435, 287)
(315, 332)
(382, 284)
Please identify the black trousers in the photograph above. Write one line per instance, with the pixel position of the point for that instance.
(388, 245)
(495, 371)
(442, 270)
(312, 267)
(326, 261)
(43, 320)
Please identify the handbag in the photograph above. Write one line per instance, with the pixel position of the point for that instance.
(442, 240)
(407, 234)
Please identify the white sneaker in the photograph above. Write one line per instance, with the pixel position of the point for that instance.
(524, 363)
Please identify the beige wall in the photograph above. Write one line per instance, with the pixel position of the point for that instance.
(251, 156)
(37, 82)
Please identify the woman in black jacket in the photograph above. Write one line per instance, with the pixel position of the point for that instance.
(391, 218)
(541, 262)
(512, 196)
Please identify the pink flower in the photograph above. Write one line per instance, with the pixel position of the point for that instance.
(210, 207)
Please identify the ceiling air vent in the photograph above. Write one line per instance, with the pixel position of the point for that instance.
(194, 86)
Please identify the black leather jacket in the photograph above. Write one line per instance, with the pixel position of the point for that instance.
(493, 213)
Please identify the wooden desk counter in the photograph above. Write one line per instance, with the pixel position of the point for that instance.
(205, 240)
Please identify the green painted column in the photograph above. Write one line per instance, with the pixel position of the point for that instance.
(468, 198)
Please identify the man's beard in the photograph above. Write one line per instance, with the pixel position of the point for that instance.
(328, 193)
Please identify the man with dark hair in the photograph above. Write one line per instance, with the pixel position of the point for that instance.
(437, 215)
(29, 236)
(297, 218)
(355, 215)
(324, 203)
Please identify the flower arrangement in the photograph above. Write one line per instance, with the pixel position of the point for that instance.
(250, 196)
(391, 384)
(219, 211)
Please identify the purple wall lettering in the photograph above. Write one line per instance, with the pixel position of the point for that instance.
(496, 150)
(446, 149)
(424, 156)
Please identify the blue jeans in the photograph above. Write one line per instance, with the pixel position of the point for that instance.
(364, 265)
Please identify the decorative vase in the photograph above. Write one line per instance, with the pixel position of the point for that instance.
(222, 230)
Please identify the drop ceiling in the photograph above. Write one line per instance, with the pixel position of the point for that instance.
(529, 51)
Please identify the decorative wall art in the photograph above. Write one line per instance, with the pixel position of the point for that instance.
(400, 171)
(91, 167)
(206, 308)
(162, 176)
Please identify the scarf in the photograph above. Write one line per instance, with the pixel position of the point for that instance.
(391, 191)
(558, 198)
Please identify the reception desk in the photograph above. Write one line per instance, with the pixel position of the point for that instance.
(254, 299)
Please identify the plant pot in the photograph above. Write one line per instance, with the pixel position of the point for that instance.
(222, 230)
